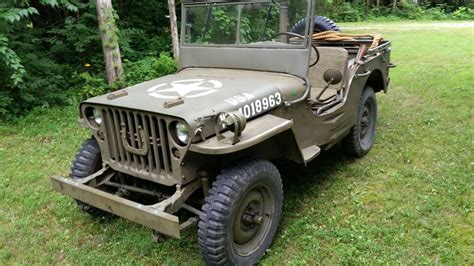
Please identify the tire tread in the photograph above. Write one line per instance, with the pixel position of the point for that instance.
(211, 228)
(86, 163)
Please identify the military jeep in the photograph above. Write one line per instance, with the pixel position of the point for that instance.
(258, 80)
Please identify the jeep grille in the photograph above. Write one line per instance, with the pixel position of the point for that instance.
(154, 160)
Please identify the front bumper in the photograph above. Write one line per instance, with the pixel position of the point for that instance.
(149, 216)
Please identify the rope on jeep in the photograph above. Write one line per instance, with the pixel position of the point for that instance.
(334, 36)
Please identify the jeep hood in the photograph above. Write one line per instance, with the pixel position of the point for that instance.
(206, 92)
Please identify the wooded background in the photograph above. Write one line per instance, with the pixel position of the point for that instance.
(51, 51)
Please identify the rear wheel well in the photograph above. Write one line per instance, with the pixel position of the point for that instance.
(376, 81)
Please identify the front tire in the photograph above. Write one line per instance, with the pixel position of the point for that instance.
(88, 161)
(241, 214)
(361, 137)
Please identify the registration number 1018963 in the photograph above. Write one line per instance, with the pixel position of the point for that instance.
(262, 105)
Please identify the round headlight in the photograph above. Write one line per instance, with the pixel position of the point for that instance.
(93, 117)
(182, 133)
(97, 115)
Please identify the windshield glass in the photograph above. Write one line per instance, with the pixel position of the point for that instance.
(255, 23)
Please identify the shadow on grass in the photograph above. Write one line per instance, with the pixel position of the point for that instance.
(300, 182)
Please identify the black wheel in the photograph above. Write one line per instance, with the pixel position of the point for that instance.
(361, 137)
(88, 161)
(241, 214)
(320, 24)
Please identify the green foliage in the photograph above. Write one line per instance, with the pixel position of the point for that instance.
(92, 85)
(13, 15)
(29, 75)
(349, 12)
(149, 68)
(51, 53)
(463, 13)
(68, 5)
(76, 34)
(12, 61)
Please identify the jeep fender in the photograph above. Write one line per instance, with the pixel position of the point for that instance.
(258, 131)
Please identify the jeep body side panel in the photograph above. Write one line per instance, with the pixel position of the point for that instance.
(328, 128)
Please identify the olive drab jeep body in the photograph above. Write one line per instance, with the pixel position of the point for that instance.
(257, 81)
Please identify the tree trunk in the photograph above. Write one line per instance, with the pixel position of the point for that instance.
(394, 4)
(108, 34)
(174, 28)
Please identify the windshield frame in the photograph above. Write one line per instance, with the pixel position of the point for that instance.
(305, 44)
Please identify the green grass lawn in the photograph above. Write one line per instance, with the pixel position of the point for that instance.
(409, 201)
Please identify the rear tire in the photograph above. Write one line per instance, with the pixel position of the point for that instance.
(88, 161)
(241, 214)
(361, 137)
(320, 24)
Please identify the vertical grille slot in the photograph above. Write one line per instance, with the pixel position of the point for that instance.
(146, 127)
(158, 158)
(166, 155)
(116, 125)
(131, 129)
(111, 135)
(156, 141)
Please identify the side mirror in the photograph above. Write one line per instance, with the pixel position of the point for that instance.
(332, 76)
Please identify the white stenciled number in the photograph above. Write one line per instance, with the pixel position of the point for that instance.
(271, 99)
(253, 109)
(278, 98)
(258, 106)
(265, 104)
(247, 112)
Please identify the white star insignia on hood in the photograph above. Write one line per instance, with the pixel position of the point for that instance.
(185, 89)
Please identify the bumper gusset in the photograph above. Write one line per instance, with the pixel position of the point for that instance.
(148, 216)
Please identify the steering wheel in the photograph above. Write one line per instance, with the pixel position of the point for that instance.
(289, 34)
(301, 37)
(313, 46)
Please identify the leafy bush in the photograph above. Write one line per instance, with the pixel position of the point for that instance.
(92, 85)
(149, 68)
(463, 13)
(408, 11)
(436, 13)
(351, 13)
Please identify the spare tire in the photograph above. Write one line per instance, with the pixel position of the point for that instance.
(320, 24)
